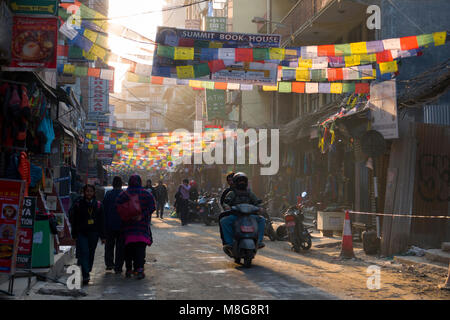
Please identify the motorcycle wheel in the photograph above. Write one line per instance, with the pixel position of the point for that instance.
(307, 243)
(272, 233)
(247, 262)
(281, 233)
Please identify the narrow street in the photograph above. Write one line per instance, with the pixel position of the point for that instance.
(187, 263)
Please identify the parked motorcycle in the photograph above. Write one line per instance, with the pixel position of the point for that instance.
(269, 230)
(211, 211)
(298, 235)
(193, 210)
(245, 243)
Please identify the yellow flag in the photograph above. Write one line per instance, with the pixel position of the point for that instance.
(195, 83)
(358, 48)
(185, 72)
(270, 88)
(336, 87)
(89, 56)
(439, 38)
(91, 35)
(353, 60)
(182, 53)
(387, 67)
(69, 69)
(304, 63)
(302, 74)
(277, 53)
(90, 146)
(98, 51)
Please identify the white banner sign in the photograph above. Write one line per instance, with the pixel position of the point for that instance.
(383, 108)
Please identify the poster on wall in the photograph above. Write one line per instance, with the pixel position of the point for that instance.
(11, 200)
(25, 234)
(34, 43)
(41, 7)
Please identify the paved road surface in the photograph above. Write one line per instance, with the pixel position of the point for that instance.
(188, 263)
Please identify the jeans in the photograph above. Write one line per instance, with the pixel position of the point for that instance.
(184, 208)
(227, 225)
(114, 240)
(135, 256)
(160, 208)
(86, 245)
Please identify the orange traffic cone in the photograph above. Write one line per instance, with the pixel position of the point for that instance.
(347, 239)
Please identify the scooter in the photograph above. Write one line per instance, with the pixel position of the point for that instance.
(245, 243)
(298, 235)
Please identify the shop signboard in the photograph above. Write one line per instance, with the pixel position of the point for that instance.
(98, 95)
(216, 24)
(11, 200)
(221, 69)
(193, 24)
(25, 233)
(90, 125)
(29, 7)
(34, 43)
(215, 104)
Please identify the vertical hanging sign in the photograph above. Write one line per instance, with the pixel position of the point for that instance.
(11, 199)
(25, 233)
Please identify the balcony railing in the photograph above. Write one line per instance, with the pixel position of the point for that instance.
(302, 12)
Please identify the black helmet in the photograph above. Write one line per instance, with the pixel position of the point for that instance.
(230, 175)
(240, 180)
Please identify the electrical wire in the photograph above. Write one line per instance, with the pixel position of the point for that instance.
(149, 12)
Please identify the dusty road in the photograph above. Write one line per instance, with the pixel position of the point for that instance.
(188, 263)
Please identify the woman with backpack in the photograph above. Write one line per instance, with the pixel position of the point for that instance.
(87, 220)
(135, 206)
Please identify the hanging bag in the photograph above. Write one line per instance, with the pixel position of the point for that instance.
(131, 209)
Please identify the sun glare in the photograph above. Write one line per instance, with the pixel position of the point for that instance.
(129, 14)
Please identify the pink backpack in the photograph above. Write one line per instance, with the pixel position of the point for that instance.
(131, 209)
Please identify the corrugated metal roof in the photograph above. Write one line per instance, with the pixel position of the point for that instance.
(437, 114)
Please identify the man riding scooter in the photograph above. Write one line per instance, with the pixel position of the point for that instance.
(239, 194)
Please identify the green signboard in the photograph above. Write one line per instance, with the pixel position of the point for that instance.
(215, 104)
(45, 7)
(218, 24)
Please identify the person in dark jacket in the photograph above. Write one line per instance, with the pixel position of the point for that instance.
(161, 198)
(114, 239)
(87, 219)
(183, 201)
(151, 189)
(137, 233)
(230, 185)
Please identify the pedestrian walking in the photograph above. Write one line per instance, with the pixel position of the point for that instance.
(161, 198)
(114, 247)
(183, 201)
(87, 220)
(137, 232)
(149, 187)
